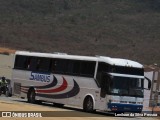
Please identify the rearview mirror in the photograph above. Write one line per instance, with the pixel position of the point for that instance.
(149, 83)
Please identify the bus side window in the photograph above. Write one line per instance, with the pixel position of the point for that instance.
(33, 64)
(43, 64)
(76, 67)
(38, 64)
(69, 69)
(20, 62)
(87, 68)
(53, 65)
(59, 66)
(28, 62)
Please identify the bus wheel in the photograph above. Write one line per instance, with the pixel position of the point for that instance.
(31, 96)
(88, 104)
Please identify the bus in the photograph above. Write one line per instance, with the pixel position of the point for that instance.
(89, 82)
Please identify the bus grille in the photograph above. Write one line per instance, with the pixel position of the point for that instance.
(128, 102)
(123, 101)
(132, 102)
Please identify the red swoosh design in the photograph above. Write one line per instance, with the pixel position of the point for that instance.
(61, 88)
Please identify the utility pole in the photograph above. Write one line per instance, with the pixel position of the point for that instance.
(156, 84)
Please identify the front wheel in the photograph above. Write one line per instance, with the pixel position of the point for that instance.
(31, 96)
(88, 105)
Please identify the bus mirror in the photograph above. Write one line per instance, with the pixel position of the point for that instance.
(149, 84)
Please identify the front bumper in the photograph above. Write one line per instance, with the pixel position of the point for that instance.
(119, 107)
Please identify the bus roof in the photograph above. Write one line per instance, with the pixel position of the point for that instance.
(109, 60)
(121, 62)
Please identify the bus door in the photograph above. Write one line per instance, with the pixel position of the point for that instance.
(104, 83)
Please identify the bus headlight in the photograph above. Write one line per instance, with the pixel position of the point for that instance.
(139, 108)
(140, 103)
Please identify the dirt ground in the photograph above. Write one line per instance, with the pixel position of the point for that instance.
(10, 104)
(21, 106)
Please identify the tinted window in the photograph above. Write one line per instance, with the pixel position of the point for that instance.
(127, 70)
(104, 67)
(59, 66)
(43, 64)
(76, 67)
(87, 68)
(73, 67)
(20, 62)
(39, 64)
(33, 64)
(70, 66)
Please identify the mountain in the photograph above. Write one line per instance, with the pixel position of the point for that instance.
(117, 28)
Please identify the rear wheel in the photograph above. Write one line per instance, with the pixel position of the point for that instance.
(31, 96)
(88, 104)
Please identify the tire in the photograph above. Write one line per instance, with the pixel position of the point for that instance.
(88, 105)
(31, 96)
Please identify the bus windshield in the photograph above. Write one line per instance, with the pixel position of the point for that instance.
(126, 86)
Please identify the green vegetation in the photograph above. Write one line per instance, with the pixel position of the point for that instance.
(117, 28)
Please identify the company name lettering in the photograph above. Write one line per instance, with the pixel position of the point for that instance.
(40, 77)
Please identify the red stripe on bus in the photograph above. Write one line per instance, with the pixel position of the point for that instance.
(61, 88)
(24, 88)
(24, 91)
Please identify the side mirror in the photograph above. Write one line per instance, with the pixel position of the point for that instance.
(149, 83)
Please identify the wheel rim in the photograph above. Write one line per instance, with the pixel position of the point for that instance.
(89, 104)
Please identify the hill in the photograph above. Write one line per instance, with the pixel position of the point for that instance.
(117, 28)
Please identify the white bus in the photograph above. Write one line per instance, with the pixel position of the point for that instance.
(92, 83)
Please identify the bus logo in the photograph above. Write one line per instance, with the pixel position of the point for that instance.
(40, 77)
(48, 91)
